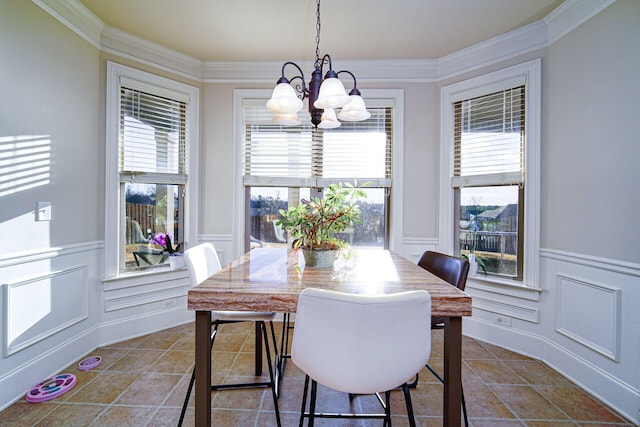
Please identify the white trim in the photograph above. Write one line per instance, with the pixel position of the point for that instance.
(511, 310)
(599, 263)
(18, 258)
(470, 88)
(77, 17)
(608, 298)
(13, 310)
(508, 45)
(537, 35)
(394, 98)
(379, 70)
(129, 46)
(115, 72)
(570, 15)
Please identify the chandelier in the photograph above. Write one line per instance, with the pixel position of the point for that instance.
(325, 95)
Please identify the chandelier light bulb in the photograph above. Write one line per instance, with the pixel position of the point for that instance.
(332, 94)
(284, 100)
(329, 120)
(289, 119)
(355, 110)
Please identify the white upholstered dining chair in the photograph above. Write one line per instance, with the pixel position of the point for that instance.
(360, 344)
(202, 262)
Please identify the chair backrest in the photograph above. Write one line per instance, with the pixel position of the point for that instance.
(361, 344)
(450, 269)
(202, 261)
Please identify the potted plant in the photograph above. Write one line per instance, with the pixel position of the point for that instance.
(163, 240)
(312, 225)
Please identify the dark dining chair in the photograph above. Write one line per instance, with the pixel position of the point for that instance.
(453, 271)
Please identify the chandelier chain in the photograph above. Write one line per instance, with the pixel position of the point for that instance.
(317, 31)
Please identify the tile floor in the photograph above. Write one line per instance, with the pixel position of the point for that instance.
(142, 382)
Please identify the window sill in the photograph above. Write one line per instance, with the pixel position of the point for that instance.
(504, 286)
(132, 279)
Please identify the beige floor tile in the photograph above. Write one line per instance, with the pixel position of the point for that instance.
(174, 362)
(143, 381)
(104, 389)
(136, 361)
(125, 416)
(494, 371)
(23, 413)
(72, 416)
(149, 389)
(536, 373)
(526, 403)
(578, 404)
(483, 403)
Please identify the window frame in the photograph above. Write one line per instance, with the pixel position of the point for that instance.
(484, 85)
(114, 197)
(393, 98)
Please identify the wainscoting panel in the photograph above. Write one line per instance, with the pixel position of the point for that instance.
(38, 307)
(589, 313)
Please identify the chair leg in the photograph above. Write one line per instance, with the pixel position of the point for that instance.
(193, 378)
(312, 403)
(269, 364)
(304, 400)
(464, 404)
(281, 361)
(387, 409)
(186, 399)
(407, 399)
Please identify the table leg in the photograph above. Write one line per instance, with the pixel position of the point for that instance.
(452, 371)
(258, 346)
(203, 369)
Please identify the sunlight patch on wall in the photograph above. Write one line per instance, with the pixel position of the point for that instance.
(35, 308)
(25, 162)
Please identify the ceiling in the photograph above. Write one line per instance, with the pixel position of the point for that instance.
(277, 30)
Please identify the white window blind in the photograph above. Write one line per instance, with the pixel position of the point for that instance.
(489, 139)
(302, 156)
(152, 139)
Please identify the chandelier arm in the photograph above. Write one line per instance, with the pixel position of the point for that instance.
(302, 90)
(355, 90)
(326, 59)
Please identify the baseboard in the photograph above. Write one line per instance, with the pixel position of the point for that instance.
(619, 396)
(134, 326)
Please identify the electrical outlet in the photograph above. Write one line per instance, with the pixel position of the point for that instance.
(43, 211)
(502, 320)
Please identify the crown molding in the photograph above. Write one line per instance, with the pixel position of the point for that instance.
(571, 14)
(379, 70)
(537, 35)
(75, 16)
(509, 45)
(129, 46)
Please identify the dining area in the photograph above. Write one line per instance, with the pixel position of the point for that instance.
(270, 280)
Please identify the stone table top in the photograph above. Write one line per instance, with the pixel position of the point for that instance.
(270, 279)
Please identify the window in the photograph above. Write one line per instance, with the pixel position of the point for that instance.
(490, 143)
(149, 139)
(283, 165)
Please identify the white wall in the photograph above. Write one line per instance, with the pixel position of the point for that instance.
(584, 321)
(49, 271)
(54, 307)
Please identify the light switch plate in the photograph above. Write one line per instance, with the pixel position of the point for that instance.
(43, 211)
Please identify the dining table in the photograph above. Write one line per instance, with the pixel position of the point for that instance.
(271, 279)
